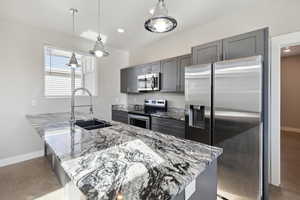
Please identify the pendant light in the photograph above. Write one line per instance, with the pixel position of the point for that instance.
(99, 49)
(73, 60)
(160, 22)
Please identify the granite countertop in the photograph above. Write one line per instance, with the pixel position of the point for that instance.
(139, 163)
(172, 113)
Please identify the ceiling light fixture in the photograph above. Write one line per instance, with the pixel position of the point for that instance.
(151, 11)
(99, 49)
(160, 22)
(286, 50)
(73, 60)
(121, 30)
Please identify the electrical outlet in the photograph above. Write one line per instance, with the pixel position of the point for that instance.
(33, 103)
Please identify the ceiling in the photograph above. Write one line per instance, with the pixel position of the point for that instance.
(127, 14)
(295, 50)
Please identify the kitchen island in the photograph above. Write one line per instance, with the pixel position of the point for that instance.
(126, 161)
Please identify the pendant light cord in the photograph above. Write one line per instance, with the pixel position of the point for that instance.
(73, 13)
(98, 24)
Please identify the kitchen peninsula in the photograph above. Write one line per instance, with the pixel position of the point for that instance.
(127, 162)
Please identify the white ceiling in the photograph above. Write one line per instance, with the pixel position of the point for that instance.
(127, 14)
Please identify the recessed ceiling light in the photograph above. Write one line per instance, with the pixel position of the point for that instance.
(92, 35)
(120, 30)
(286, 50)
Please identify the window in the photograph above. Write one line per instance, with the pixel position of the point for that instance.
(58, 74)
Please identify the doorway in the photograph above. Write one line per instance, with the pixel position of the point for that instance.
(285, 106)
(290, 119)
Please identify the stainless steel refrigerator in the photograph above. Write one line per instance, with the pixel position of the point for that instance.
(224, 104)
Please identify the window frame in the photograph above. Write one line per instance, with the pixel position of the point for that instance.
(45, 73)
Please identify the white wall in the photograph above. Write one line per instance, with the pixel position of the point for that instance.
(109, 82)
(21, 82)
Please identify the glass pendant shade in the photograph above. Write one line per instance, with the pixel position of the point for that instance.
(99, 50)
(73, 61)
(160, 22)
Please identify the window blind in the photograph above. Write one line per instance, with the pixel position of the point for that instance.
(58, 74)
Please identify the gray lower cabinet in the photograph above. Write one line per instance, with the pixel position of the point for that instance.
(244, 45)
(119, 116)
(168, 126)
(207, 53)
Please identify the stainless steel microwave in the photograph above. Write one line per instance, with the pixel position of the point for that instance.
(148, 82)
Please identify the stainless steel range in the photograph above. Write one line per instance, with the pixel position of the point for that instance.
(142, 118)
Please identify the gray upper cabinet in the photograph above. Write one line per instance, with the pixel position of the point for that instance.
(207, 53)
(132, 74)
(184, 61)
(123, 82)
(128, 83)
(172, 70)
(149, 68)
(145, 69)
(244, 45)
(155, 67)
(169, 75)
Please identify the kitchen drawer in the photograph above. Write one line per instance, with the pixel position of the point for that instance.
(168, 122)
(120, 116)
(168, 126)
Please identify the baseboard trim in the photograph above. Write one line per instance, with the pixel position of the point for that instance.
(20, 158)
(290, 129)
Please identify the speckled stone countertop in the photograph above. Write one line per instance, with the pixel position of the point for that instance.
(172, 113)
(139, 163)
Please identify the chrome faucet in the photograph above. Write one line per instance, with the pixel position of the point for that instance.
(73, 103)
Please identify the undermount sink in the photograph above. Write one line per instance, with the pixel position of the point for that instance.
(92, 124)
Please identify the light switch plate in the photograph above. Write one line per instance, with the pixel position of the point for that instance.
(190, 189)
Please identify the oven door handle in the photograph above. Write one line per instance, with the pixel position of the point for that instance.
(130, 116)
(138, 117)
